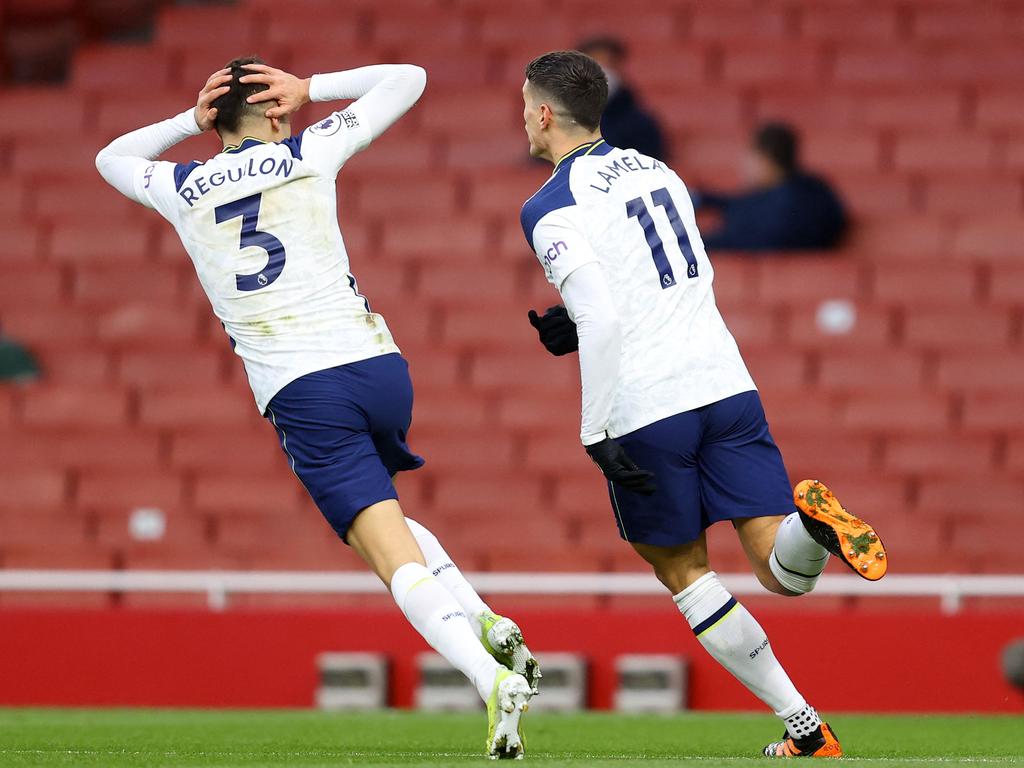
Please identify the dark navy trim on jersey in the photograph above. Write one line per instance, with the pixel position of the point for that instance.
(181, 172)
(555, 193)
(294, 144)
(247, 143)
(715, 617)
(355, 289)
(590, 148)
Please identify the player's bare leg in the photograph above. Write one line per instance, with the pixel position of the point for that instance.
(758, 535)
(734, 638)
(500, 635)
(381, 536)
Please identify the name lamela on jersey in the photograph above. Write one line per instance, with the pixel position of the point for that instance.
(199, 185)
(611, 172)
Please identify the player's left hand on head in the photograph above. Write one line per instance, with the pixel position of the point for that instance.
(619, 468)
(556, 330)
(216, 86)
(289, 91)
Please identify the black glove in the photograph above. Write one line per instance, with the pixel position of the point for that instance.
(556, 330)
(619, 468)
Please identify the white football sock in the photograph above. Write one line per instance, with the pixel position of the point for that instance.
(734, 638)
(436, 615)
(447, 572)
(796, 560)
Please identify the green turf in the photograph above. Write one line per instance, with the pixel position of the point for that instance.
(155, 738)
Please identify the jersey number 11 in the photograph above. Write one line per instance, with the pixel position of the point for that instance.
(637, 208)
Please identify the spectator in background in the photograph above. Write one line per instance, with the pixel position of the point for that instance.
(625, 123)
(784, 208)
(16, 363)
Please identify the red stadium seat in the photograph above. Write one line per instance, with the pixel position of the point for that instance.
(29, 490)
(855, 371)
(272, 493)
(107, 68)
(988, 411)
(972, 328)
(198, 408)
(844, 22)
(107, 490)
(922, 285)
(934, 22)
(999, 110)
(759, 62)
(203, 27)
(959, 499)
(961, 455)
(961, 195)
(808, 327)
(982, 372)
(994, 238)
(668, 64)
(960, 152)
(907, 412)
(74, 406)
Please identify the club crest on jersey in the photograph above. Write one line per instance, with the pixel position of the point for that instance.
(326, 127)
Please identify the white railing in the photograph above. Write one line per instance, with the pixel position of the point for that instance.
(949, 589)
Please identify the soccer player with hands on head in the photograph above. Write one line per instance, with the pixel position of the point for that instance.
(670, 414)
(259, 221)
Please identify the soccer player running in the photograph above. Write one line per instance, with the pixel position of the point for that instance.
(670, 413)
(259, 221)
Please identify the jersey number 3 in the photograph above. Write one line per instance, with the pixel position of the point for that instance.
(637, 208)
(249, 209)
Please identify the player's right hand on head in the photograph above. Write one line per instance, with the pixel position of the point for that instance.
(556, 330)
(619, 468)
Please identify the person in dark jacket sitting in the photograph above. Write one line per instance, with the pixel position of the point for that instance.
(625, 123)
(785, 208)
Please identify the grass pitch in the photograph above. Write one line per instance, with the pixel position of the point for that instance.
(157, 738)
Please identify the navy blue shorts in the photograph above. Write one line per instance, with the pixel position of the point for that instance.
(717, 462)
(343, 430)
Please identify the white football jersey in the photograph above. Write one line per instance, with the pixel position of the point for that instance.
(260, 224)
(632, 214)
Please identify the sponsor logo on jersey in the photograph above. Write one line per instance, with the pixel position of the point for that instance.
(148, 176)
(553, 252)
(351, 121)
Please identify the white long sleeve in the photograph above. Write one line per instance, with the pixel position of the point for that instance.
(591, 305)
(120, 161)
(384, 92)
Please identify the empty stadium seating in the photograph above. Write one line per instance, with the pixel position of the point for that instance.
(914, 413)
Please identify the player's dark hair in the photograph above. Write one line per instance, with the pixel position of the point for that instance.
(574, 81)
(232, 107)
(779, 142)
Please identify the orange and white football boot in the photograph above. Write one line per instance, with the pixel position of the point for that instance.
(821, 743)
(847, 537)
